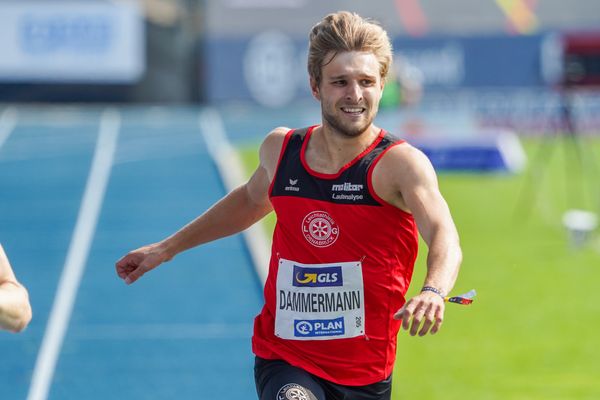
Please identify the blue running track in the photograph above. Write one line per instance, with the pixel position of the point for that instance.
(181, 332)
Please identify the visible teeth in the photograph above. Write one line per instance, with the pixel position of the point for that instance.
(352, 110)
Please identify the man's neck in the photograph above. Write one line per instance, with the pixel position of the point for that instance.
(328, 150)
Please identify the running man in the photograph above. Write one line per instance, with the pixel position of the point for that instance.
(15, 310)
(350, 201)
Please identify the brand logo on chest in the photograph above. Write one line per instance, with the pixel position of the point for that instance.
(292, 186)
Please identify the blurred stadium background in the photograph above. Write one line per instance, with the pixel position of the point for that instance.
(501, 94)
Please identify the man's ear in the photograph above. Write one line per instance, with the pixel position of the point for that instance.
(314, 88)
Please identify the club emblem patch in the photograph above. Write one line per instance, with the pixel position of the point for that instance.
(293, 391)
(319, 229)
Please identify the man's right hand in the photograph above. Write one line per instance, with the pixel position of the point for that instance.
(137, 262)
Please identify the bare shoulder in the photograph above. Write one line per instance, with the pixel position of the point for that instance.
(402, 170)
(271, 148)
(275, 138)
(405, 161)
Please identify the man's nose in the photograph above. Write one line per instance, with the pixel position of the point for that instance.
(354, 92)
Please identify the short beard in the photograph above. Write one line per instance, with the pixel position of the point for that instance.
(345, 131)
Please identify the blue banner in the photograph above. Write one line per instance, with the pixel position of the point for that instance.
(270, 68)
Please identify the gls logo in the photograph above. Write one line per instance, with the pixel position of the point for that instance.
(317, 277)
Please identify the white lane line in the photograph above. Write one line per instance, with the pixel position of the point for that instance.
(77, 255)
(231, 171)
(8, 121)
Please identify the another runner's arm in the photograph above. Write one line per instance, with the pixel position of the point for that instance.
(235, 212)
(15, 310)
(414, 188)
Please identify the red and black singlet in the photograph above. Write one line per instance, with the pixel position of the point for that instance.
(341, 263)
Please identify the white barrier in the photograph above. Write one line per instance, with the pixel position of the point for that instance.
(71, 42)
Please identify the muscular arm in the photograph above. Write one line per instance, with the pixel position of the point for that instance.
(15, 310)
(412, 186)
(432, 215)
(235, 212)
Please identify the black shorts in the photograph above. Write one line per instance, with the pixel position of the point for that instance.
(278, 380)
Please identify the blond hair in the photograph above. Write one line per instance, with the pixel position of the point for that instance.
(346, 31)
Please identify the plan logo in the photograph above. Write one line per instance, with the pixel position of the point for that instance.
(319, 327)
(317, 277)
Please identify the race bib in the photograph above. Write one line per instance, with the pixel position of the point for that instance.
(319, 301)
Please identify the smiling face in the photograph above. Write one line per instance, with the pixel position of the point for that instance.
(349, 92)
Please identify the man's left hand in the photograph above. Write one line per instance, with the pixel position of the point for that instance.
(426, 307)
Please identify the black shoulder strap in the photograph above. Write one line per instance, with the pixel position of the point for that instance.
(301, 132)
